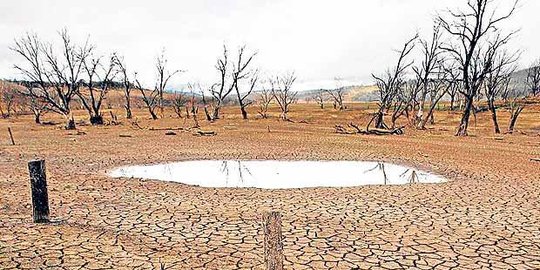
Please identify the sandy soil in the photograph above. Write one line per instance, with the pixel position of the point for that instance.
(487, 216)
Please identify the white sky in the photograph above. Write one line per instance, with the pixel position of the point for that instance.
(319, 39)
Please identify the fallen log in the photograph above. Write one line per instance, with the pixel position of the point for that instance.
(376, 131)
(204, 133)
(165, 129)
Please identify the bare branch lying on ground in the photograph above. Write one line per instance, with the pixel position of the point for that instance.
(377, 131)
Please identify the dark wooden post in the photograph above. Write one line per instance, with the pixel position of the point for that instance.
(273, 244)
(40, 198)
(11, 136)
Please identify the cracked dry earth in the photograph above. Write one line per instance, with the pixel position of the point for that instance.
(486, 217)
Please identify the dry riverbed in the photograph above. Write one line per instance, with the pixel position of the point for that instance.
(487, 216)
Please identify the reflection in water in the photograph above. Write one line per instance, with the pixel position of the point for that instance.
(273, 174)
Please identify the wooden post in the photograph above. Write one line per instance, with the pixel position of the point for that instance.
(11, 136)
(273, 244)
(40, 198)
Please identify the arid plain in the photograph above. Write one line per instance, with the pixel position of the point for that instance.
(487, 216)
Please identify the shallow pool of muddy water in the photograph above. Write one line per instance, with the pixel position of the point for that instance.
(273, 174)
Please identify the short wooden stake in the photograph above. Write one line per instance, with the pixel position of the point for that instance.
(11, 136)
(40, 197)
(273, 241)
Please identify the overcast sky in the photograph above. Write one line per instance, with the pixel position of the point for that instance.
(319, 40)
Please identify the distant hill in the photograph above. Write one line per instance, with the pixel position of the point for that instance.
(352, 93)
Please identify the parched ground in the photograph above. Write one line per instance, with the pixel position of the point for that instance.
(487, 216)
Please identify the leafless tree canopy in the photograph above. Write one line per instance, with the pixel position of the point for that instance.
(432, 60)
(8, 99)
(154, 99)
(320, 98)
(533, 78)
(474, 39)
(56, 75)
(163, 77)
(497, 82)
(337, 95)
(283, 95)
(126, 83)
(265, 98)
(391, 83)
(224, 87)
(100, 77)
(240, 73)
(232, 74)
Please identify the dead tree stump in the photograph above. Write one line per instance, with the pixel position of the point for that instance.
(40, 198)
(273, 241)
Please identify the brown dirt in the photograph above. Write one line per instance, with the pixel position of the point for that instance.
(487, 216)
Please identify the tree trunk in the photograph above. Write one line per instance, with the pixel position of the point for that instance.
(70, 122)
(423, 122)
(452, 103)
(37, 118)
(216, 112)
(514, 118)
(208, 117)
(70, 125)
(464, 123)
(284, 116)
(129, 115)
(379, 120)
(153, 114)
(96, 120)
(494, 116)
(244, 113)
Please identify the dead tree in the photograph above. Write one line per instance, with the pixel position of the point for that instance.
(8, 98)
(55, 76)
(533, 78)
(265, 98)
(126, 83)
(474, 34)
(241, 72)
(243, 100)
(284, 96)
(431, 60)
(100, 79)
(405, 100)
(35, 105)
(194, 109)
(196, 87)
(224, 87)
(150, 98)
(164, 75)
(516, 106)
(438, 88)
(496, 82)
(453, 93)
(178, 103)
(388, 85)
(337, 94)
(320, 98)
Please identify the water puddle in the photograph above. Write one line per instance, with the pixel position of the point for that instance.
(273, 174)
